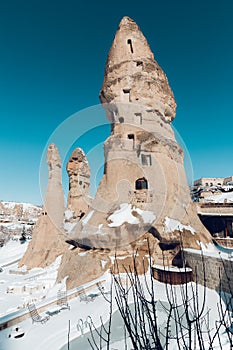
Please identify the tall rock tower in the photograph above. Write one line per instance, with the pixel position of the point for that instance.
(144, 187)
(79, 186)
(54, 198)
(48, 237)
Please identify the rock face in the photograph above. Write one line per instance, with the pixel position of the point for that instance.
(48, 239)
(79, 183)
(82, 266)
(144, 187)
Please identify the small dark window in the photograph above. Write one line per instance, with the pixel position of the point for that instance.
(129, 42)
(146, 159)
(121, 120)
(131, 136)
(80, 182)
(206, 184)
(211, 184)
(141, 184)
(81, 215)
(127, 93)
(139, 63)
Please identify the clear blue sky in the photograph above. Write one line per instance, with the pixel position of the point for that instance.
(52, 57)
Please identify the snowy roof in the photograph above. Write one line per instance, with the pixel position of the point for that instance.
(221, 198)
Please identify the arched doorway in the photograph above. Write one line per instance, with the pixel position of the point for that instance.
(141, 184)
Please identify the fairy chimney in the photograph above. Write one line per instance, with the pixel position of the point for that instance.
(48, 237)
(144, 187)
(79, 184)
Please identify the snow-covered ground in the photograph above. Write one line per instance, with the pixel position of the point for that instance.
(11, 252)
(19, 286)
(53, 335)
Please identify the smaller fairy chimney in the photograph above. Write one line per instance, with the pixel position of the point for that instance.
(48, 239)
(54, 198)
(79, 183)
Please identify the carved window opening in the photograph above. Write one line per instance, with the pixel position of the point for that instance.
(121, 120)
(141, 184)
(127, 92)
(138, 118)
(206, 184)
(131, 137)
(129, 42)
(146, 159)
(139, 63)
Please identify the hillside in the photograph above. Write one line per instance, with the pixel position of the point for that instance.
(16, 217)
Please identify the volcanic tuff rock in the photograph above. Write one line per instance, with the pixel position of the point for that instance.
(54, 198)
(144, 180)
(79, 183)
(48, 238)
(82, 266)
(132, 75)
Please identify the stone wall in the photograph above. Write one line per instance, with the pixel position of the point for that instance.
(215, 270)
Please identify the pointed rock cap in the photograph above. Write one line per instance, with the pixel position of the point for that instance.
(129, 43)
(133, 76)
(128, 23)
(53, 157)
(78, 163)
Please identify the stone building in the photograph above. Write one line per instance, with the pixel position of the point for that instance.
(213, 181)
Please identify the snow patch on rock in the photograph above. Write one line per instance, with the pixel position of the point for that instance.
(172, 225)
(68, 226)
(124, 214)
(68, 214)
(87, 218)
